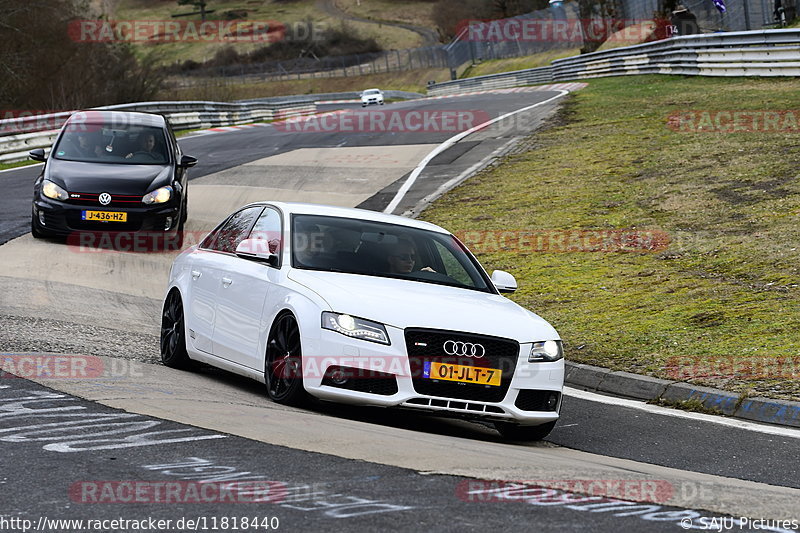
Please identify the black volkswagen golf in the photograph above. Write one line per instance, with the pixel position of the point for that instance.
(111, 171)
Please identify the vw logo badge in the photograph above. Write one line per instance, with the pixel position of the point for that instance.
(105, 198)
(466, 349)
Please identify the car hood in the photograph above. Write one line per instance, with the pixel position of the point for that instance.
(76, 176)
(404, 304)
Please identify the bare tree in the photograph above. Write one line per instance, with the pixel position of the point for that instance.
(43, 65)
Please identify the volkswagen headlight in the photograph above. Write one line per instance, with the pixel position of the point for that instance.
(357, 328)
(546, 351)
(51, 190)
(158, 196)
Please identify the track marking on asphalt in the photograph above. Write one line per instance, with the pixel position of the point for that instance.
(677, 413)
(21, 167)
(450, 142)
(458, 179)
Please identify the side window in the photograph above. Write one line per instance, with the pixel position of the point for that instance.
(453, 267)
(268, 228)
(228, 236)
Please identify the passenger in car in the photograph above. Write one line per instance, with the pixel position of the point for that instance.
(314, 247)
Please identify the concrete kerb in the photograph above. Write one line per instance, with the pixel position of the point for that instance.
(628, 385)
(647, 388)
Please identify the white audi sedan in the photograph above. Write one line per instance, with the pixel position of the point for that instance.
(364, 308)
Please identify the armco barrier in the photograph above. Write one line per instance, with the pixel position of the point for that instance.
(25, 134)
(746, 53)
(19, 136)
(493, 81)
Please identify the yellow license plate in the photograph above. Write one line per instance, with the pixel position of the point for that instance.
(462, 373)
(105, 216)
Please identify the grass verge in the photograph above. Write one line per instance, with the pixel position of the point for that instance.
(412, 81)
(416, 12)
(719, 305)
(6, 166)
(496, 66)
(288, 13)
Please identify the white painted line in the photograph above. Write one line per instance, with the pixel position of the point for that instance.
(447, 144)
(461, 177)
(23, 166)
(677, 413)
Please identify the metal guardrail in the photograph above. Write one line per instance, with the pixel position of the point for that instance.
(751, 53)
(20, 135)
(493, 81)
(748, 53)
(323, 97)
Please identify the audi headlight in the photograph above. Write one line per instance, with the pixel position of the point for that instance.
(546, 351)
(357, 328)
(51, 190)
(158, 196)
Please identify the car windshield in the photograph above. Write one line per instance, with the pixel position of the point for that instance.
(105, 143)
(386, 250)
(372, 91)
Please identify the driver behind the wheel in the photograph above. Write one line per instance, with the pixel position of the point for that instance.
(147, 145)
(402, 257)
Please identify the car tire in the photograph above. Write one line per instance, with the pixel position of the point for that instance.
(185, 210)
(283, 362)
(37, 231)
(173, 333)
(381, 103)
(179, 234)
(524, 433)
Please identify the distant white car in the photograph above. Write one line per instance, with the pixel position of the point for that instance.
(371, 97)
(364, 308)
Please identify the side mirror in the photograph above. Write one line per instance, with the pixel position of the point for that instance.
(187, 161)
(504, 281)
(37, 155)
(258, 250)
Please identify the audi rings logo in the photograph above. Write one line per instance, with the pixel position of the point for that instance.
(466, 349)
(105, 198)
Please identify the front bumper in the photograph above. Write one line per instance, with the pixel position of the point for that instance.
(64, 219)
(528, 398)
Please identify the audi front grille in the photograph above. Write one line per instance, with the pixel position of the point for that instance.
(427, 346)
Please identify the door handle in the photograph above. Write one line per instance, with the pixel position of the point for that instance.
(226, 281)
(196, 274)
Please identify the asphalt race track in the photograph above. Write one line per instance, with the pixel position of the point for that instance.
(80, 445)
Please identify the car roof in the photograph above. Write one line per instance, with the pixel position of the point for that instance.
(298, 208)
(134, 118)
(368, 90)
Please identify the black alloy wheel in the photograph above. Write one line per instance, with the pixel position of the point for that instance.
(173, 333)
(283, 365)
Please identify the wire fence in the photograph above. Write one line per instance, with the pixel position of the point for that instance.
(472, 45)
